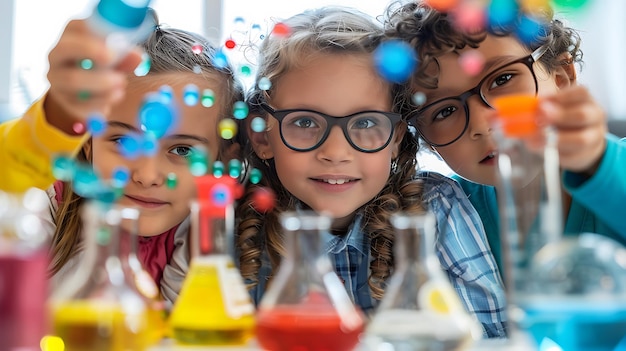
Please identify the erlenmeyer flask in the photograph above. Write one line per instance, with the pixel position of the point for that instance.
(23, 270)
(567, 291)
(420, 310)
(137, 277)
(97, 309)
(214, 307)
(306, 307)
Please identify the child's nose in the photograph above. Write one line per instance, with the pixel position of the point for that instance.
(146, 172)
(480, 116)
(336, 147)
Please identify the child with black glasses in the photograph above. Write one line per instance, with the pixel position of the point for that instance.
(455, 105)
(333, 142)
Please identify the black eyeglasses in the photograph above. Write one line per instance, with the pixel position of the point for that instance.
(305, 130)
(444, 121)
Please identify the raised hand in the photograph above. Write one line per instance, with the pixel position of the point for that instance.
(84, 77)
(581, 127)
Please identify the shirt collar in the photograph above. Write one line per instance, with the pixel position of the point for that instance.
(355, 237)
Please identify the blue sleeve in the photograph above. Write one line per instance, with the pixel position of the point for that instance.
(605, 192)
(464, 253)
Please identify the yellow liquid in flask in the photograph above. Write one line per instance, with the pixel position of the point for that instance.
(97, 326)
(214, 307)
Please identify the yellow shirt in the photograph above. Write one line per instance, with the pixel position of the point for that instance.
(28, 145)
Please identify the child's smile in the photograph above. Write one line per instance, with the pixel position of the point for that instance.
(334, 176)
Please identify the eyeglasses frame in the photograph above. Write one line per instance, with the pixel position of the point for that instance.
(526, 60)
(332, 121)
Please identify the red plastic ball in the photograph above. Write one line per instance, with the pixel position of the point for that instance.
(263, 199)
(230, 43)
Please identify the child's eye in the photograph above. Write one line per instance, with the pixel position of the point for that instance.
(118, 139)
(305, 122)
(501, 80)
(182, 151)
(444, 113)
(365, 123)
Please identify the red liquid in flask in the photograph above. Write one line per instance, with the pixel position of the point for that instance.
(23, 293)
(304, 328)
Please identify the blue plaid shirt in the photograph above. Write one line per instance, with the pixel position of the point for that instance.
(464, 252)
(461, 246)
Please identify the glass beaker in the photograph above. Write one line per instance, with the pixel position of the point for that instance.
(567, 291)
(97, 309)
(306, 307)
(23, 270)
(214, 307)
(420, 310)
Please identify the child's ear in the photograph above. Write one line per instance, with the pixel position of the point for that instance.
(259, 141)
(565, 74)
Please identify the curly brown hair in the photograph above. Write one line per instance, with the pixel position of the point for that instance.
(433, 33)
(335, 31)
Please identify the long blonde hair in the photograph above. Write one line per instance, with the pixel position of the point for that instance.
(327, 30)
(170, 50)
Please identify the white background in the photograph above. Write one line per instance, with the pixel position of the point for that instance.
(30, 28)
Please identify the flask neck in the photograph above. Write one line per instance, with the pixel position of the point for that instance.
(306, 260)
(304, 248)
(531, 199)
(212, 215)
(108, 243)
(211, 228)
(414, 241)
(304, 243)
(530, 205)
(128, 243)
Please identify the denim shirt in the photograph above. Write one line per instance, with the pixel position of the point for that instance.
(464, 252)
(461, 247)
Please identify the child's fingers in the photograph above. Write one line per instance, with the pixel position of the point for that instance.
(130, 61)
(80, 93)
(78, 44)
(580, 149)
(96, 82)
(570, 95)
(571, 107)
(580, 124)
(574, 116)
(78, 109)
(83, 109)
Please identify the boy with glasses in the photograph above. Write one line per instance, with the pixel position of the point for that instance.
(451, 109)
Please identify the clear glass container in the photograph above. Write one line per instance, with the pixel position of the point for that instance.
(420, 310)
(306, 307)
(214, 307)
(137, 277)
(99, 308)
(23, 270)
(566, 290)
